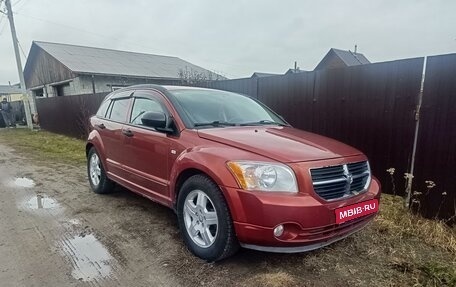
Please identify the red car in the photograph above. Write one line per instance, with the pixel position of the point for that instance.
(234, 171)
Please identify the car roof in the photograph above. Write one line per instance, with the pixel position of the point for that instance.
(164, 89)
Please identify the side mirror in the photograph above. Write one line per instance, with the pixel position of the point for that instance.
(156, 120)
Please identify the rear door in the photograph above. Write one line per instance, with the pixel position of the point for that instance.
(111, 133)
(147, 150)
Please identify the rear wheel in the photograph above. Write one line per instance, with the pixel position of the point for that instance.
(204, 219)
(99, 182)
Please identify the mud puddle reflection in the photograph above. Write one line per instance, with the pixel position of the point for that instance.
(90, 259)
(41, 202)
(23, 182)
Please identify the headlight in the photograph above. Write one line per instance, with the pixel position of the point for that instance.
(263, 176)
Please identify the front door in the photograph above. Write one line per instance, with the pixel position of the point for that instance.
(147, 150)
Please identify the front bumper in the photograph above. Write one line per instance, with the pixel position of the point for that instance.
(309, 221)
(309, 246)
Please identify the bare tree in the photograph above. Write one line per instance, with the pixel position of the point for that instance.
(191, 77)
(83, 114)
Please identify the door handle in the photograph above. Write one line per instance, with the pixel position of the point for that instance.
(127, 132)
(101, 126)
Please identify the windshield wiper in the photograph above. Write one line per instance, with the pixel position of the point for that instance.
(263, 122)
(214, 123)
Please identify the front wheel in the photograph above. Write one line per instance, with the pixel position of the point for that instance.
(99, 182)
(204, 219)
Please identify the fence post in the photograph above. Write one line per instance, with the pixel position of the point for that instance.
(415, 138)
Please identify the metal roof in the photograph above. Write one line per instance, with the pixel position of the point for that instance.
(10, 90)
(262, 75)
(89, 60)
(351, 58)
(294, 71)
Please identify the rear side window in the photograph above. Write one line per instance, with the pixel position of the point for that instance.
(119, 110)
(103, 109)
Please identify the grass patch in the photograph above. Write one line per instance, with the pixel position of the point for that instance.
(402, 224)
(277, 279)
(438, 274)
(45, 145)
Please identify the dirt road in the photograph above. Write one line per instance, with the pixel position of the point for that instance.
(55, 232)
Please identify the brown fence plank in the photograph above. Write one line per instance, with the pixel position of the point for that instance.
(247, 86)
(370, 107)
(436, 150)
(68, 115)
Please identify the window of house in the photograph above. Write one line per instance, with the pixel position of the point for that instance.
(119, 110)
(142, 106)
(59, 90)
(38, 93)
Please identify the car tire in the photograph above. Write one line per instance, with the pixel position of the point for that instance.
(98, 180)
(196, 219)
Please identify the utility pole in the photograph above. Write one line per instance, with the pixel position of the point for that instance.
(25, 97)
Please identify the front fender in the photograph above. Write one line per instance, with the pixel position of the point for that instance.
(211, 161)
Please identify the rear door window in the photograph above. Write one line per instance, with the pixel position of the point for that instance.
(119, 110)
(103, 109)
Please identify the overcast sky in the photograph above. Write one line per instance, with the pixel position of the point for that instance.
(236, 38)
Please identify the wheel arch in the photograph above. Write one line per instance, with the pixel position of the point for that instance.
(182, 177)
(89, 145)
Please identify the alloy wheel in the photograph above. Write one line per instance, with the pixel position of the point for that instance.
(200, 218)
(95, 169)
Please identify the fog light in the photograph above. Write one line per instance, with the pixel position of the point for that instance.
(278, 231)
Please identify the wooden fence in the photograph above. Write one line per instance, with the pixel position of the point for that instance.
(372, 107)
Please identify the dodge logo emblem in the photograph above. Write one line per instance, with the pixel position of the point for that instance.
(349, 178)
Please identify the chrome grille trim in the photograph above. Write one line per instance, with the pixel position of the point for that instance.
(341, 181)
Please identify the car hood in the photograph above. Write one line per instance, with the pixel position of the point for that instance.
(284, 144)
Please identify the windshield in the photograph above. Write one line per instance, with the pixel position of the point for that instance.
(219, 108)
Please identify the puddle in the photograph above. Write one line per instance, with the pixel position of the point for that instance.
(90, 259)
(24, 182)
(41, 202)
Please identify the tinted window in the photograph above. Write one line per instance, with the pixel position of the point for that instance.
(141, 106)
(103, 108)
(119, 110)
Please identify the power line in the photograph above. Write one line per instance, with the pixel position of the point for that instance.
(132, 44)
(22, 50)
(27, 104)
(77, 29)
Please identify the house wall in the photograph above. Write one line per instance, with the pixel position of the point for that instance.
(44, 74)
(15, 97)
(331, 62)
(82, 84)
(106, 83)
(11, 97)
(42, 68)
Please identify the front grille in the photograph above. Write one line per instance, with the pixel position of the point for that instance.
(333, 182)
